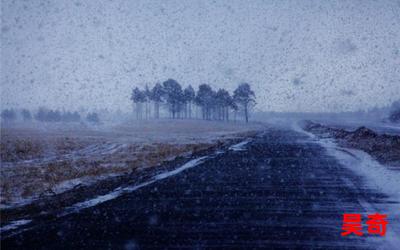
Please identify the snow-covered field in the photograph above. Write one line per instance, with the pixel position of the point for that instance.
(40, 160)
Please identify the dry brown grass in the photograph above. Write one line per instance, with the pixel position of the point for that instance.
(64, 156)
(23, 181)
(12, 150)
(19, 145)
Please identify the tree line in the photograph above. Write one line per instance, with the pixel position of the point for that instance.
(48, 115)
(179, 102)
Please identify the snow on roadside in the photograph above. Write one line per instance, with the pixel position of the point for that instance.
(240, 146)
(60, 188)
(74, 157)
(383, 178)
(377, 175)
(119, 191)
(112, 195)
(14, 225)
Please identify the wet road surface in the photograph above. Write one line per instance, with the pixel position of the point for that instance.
(282, 191)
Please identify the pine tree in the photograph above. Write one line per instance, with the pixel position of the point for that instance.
(26, 115)
(147, 94)
(174, 97)
(156, 96)
(204, 99)
(245, 98)
(189, 95)
(138, 97)
(224, 102)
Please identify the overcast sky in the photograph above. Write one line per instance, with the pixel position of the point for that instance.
(297, 55)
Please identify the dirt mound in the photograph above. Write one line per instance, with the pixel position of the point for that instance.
(363, 133)
(383, 147)
(340, 133)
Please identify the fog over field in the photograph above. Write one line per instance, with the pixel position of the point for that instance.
(297, 55)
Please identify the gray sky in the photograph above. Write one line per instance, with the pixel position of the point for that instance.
(298, 55)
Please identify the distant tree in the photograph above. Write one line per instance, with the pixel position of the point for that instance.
(53, 116)
(156, 96)
(48, 115)
(93, 118)
(395, 105)
(213, 106)
(174, 97)
(26, 115)
(138, 97)
(189, 96)
(230, 106)
(224, 102)
(219, 100)
(235, 109)
(245, 98)
(41, 114)
(147, 94)
(204, 99)
(394, 115)
(65, 116)
(76, 117)
(8, 115)
(70, 117)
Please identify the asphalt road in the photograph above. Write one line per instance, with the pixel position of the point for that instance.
(281, 192)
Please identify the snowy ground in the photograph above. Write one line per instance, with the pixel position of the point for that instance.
(384, 177)
(379, 176)
(42, 160)
(382, 146)
(278, 189)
